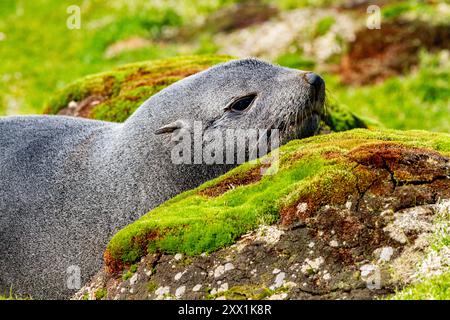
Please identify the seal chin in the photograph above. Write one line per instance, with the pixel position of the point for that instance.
(305, 122)
(310, 126)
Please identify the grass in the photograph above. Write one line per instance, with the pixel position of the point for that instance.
(101, 293)
(418, 101)
(193, 223)
(43, 56)
(125, 88)
(424, 10)
(40, 54)
(434, 288)
(12, 296)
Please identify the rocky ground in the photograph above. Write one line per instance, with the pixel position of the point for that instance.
(358, 240)
(279, 263)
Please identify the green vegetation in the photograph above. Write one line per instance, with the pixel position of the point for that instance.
(125, 88)
(434, 288)
(129, 273)
(45, 57)
(12, 296)
(101, 293)
(215, 214)
(247, 292)
(295, 60)
(417, 101)
(152, 286)
(415, 9)
(40, 54)
(324, 25)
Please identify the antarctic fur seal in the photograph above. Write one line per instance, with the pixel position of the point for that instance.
(68, 184)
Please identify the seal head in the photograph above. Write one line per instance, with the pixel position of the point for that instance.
(249, 94)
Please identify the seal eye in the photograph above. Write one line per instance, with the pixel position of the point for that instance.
(243, 103)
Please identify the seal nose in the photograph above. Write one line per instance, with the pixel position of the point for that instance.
(314, 80)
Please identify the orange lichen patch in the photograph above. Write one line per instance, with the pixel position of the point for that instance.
(331, 155)
(343, 223)
(144, 77)
(292, 158)
(406, 164)
(114, 265)
(376, 167)
(252, 176)
(343, 256)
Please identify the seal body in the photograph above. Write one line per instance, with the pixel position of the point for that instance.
(67, 185)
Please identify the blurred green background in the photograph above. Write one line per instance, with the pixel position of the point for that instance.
(396, 76)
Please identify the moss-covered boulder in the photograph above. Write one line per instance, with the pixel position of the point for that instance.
(314, 172)
(116, 94)
(352, 214)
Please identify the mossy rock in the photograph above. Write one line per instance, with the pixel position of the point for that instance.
(116, 94)
(314, 174)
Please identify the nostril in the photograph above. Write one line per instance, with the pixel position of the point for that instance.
(314, 79)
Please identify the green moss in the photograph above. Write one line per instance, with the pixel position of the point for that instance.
(193, 223)
(295, 60)
(435, 288)
(338, 117)
(124, 89)
(152, 286)
(324, 25)
(248, 292)
(101, 293)
(419, 101)
(129, 273)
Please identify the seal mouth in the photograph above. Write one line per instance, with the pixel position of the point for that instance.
(304, 121)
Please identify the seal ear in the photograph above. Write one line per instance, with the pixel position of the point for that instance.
(171, 127)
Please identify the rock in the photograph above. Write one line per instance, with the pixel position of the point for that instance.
(197, 288)
(396, 181)
(223, 287)
(279, 279)
(334, 244)
(228, 266)
(312, 266)
(180, 291)
(384, 254)
(178, 257)
(220, 270)
(179, 275)
(281, 296)
(134, 279)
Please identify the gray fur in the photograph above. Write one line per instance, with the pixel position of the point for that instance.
(68, 184)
